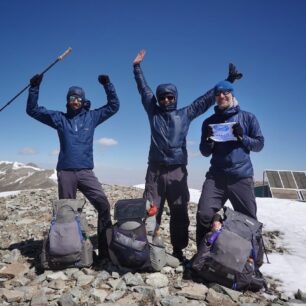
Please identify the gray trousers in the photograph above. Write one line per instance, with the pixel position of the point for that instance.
(170, 183)
(215, 192)
(84, 180)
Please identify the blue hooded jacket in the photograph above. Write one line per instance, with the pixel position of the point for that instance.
(232, 158)
(169, 125)
(75, 128)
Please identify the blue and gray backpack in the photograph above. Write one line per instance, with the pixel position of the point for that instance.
(66, 244)
(232, 256)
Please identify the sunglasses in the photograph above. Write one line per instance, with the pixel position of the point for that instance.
(72, 98)
(225, 92)
(169, 98)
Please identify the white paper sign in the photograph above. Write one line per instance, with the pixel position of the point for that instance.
(223, 132)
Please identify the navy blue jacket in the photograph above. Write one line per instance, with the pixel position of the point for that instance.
(169, 127)
(75, 129)
(233, 157)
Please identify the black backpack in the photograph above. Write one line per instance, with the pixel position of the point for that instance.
(66, 244)
(130, 239)
(128, 244)
(232, 256)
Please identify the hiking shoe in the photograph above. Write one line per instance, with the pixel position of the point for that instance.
(179, 255)
(102, 258)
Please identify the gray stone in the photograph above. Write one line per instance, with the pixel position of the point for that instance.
(14, 270)
(157, 280)
(104, 275)
(99, 295)
(216, 298)
(161, 292)
(194, 291)
(12, 257)
(133, 279)
(66, 300)
(84, 280)
(114, 296)
(115, 275)
(146, 291)
(179, 269)
(71, 271)
(57, 275)
(234, 295)
(57, 284)
(39, 299)
(11, 296)
(29, 292)
(174, 301)
(117, 284)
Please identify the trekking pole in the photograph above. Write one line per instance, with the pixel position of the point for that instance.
(57, 60)
(265, 249)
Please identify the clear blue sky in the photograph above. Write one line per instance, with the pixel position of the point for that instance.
(188, 43)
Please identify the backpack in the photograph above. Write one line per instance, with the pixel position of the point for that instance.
(232, 255)
(130, 239)
(66, 244)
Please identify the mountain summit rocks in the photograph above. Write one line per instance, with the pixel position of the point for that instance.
(25, 216)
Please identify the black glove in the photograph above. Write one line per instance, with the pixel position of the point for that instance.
(233, 73)
(103, 79)
(36, 80)
(208, 132)
(238, 131)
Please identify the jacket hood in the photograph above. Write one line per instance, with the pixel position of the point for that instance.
(77, 91)
(164, 89)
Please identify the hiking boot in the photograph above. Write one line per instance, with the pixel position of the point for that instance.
(102, 258)
(179, 255)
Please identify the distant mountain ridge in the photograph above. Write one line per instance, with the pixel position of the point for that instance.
(19, 176)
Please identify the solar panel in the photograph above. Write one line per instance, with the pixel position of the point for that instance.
(285, 184)
(274, 179)
(303, 193)
(287, 179)
(285, 194)
(300, 178)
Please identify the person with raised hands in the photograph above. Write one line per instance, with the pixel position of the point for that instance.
(166, 177)
(75, 129)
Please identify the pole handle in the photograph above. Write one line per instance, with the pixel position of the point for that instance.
(56, 61)
(64, 54)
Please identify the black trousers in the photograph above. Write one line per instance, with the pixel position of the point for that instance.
(88, 184)
(215, 192)
(170, 183)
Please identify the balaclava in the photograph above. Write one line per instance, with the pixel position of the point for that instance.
(163, 90)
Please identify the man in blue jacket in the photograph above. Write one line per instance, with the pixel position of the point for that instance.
(231, 173)
(166, 177)
(75, 130)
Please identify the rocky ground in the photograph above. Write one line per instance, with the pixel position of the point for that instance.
(24, 218)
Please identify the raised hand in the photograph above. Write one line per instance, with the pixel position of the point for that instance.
(36, 80)
(103, 79)
(233, 73)
(139, 57)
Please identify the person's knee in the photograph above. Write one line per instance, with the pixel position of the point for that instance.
(204, 218)
(101, 204)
